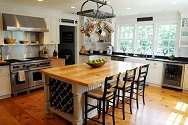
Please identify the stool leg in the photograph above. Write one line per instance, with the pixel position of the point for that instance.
(137, 94)
(131, 96)
(99, 110)
(113, 111)
(103, 113)
(107, 106)
(143, 93)
(86, 108)
(123, 104)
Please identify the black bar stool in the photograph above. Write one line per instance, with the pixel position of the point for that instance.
(140, 83)
(126, 86)
(104, 95)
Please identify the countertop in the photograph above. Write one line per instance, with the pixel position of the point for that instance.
(181, 60)
(2, 63)
(85, 75)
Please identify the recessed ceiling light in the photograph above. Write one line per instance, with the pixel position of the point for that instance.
(128, 8)
(40, 0)
(72, 7)
(173, 2)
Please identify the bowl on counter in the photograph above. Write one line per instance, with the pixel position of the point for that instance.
(10, 41)
(96, 65)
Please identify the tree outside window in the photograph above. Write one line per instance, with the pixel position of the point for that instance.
(126, 38)
(144, 39)
(166, 38)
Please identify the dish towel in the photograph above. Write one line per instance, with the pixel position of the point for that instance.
(21, 75)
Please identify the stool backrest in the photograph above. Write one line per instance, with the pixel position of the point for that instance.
(110, 86)
(143, 71)
(129, 77)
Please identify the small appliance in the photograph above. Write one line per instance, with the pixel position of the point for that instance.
(109, 50)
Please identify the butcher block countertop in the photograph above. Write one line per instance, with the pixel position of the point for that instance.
(85, 75)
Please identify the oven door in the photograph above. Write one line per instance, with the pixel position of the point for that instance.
(35, 79)
(17, 85)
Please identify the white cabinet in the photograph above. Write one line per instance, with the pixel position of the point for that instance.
(52, 37)
(5, 87)
(135, 60)
(108, 58)
(155, 73)
(185, 81)
(1, 30)
(184, 32)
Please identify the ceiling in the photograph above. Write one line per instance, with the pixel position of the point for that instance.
(119, 6)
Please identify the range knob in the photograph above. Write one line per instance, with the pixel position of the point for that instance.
(24, 66)
(37, 65)
(17, 66)
(27, 66)
(14, 67)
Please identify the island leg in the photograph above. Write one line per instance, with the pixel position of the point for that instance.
(46, 93)
(78, 91)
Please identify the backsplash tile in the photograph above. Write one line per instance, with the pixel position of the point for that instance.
(19, 51)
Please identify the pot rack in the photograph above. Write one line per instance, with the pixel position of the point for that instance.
(96, 13)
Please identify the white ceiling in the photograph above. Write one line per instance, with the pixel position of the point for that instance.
(119, 6)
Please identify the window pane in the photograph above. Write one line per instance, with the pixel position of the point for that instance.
(166, 38)
(126, 38)
(145, 38)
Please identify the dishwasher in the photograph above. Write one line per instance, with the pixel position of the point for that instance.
(117, 58)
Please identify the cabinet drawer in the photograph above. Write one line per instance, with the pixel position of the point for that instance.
(4, 69)
(155, 63)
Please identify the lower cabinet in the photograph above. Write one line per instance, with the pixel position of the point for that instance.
(155, 73)
(5, 86)
(185, 81)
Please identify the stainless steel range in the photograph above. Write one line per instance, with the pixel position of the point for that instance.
(25, 74)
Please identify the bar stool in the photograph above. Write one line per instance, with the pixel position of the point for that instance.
(140, 83)
(126, 86)
(104, 95)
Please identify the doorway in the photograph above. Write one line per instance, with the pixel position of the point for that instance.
(66, 48)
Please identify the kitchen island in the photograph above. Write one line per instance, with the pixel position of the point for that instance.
(65, 86)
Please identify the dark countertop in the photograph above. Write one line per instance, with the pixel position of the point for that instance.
(181, 60)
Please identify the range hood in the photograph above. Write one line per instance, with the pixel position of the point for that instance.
(24, 23)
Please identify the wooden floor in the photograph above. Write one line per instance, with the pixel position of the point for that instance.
(163, 107)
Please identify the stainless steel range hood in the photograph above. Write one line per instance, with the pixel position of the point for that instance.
(24, 23)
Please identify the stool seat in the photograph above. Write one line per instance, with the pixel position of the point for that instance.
(105, 95)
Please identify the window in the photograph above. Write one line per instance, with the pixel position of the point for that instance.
(166, 39)
(144, 39)
(126, 38)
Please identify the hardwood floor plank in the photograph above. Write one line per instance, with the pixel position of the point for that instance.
(162, 106)
(6, 119)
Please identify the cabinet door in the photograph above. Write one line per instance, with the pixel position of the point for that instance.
(1, 30)
(185, 81)
(54, 31)
(155, 75)
(4, 84)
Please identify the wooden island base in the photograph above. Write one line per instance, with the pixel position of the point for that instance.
(65, 86)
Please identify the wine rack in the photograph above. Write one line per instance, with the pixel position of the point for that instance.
(61, 96)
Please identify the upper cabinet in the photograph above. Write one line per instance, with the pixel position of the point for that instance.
(184, 33)
(1, 30)
(52, 37)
